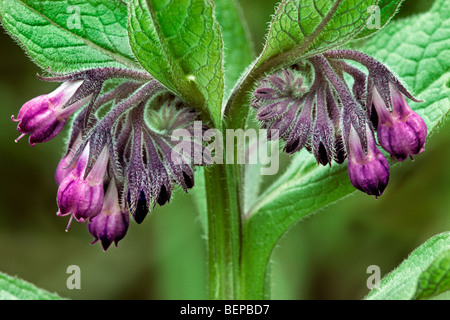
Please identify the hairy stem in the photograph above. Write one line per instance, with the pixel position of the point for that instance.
(224, 231)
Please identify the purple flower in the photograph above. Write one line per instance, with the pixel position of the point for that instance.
(333, 120)
(112, 222)
(44, 117)
(83, 196)
(368, 170)
(401, 132)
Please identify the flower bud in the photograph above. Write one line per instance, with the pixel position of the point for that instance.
(368, 170)
(44, 117)
(79, 196)
(323, 134)
(111, 224)
(302, 131)
(401, 132)
(278, 101)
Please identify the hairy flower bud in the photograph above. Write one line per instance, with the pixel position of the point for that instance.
(44, 117)
(83, 197)
(111, 224)
(157, 147)
(278, 101)
(368, 171)
(401, 132)
(301, 132)
(323, 135)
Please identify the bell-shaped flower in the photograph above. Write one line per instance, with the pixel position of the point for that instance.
(111, 224)
(83, 196)
(44, 117)
(401, 132)
(368, 169)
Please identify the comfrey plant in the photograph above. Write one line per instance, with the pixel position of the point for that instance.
(334, 122)
(143, 82)
(120, 164)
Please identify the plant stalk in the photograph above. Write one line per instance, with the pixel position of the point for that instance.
(224, 231)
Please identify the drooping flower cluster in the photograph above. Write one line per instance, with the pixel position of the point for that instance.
(124, 154)
(335, 120)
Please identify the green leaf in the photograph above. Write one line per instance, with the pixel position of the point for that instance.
(418, 50)
(385, 12)
(179, 43)
(306, 27)
(238, 53)
(436, 279)
(12, 288)
(66, 37)
(417, 272)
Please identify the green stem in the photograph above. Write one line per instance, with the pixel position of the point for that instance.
(224, 230)
(255, 260)
(229, 276)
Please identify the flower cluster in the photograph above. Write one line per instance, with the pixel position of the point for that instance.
(123, 156)
(124, 153)
(333, 109)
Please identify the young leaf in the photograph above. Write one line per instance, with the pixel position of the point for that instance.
(382, 13)
(418, 50)
(179, 43)
(12, 288)
(436, 279)
(417, 272)
(63, 37)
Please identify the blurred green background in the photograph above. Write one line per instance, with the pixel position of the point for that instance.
(323, 257)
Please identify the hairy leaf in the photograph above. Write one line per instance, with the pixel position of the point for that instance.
(424, 274)
(12, 288)
(436, 279)
(382, 13)
(306, 27)
(179, 43)
(418, 50)
(70, 35)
